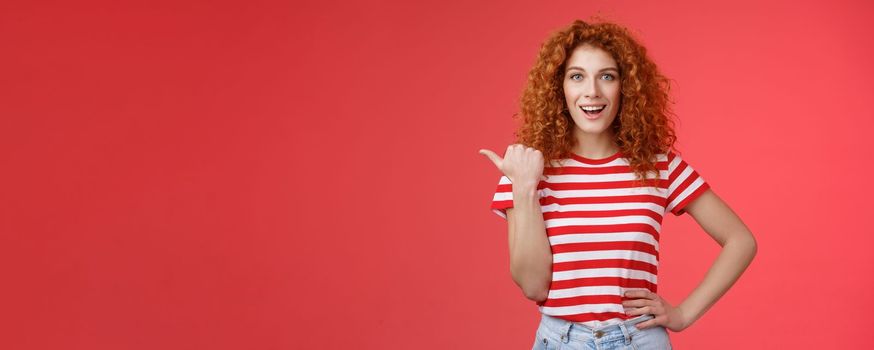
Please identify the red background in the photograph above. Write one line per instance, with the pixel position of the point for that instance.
(293, 175)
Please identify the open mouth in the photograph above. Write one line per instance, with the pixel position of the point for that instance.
(593, 112)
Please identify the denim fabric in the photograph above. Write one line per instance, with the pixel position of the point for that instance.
(554, 333)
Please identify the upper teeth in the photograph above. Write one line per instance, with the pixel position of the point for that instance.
(592, 108)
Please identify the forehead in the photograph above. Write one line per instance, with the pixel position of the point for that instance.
(590, 57)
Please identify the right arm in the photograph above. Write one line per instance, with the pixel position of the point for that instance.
(530, 252)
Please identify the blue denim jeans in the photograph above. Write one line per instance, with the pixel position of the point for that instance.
(554, 333)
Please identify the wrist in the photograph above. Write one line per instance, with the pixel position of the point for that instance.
(526, 185)
(525, 191)
(686, 317)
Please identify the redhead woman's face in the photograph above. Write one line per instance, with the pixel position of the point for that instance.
(591, 81)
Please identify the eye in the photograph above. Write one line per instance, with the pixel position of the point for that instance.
(609, 75)
(576, 74)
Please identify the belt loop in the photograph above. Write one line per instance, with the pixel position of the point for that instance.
(625, 333)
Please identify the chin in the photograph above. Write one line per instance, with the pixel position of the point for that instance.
(592, 127)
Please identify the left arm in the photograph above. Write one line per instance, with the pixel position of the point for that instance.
(738, 249)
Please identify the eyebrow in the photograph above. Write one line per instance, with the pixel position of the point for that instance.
(605, 69)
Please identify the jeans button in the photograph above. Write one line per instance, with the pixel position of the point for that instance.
(599, 334)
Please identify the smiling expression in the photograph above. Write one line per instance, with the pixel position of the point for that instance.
(591, 81)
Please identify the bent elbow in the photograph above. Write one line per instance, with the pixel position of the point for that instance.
(754, 246)
(538, 296)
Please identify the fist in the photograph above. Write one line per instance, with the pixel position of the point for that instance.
(523, 165)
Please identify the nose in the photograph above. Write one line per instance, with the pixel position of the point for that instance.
(592, 89)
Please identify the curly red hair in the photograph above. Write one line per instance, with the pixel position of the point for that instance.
(644, 126)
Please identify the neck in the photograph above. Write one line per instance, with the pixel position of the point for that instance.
(596, 146)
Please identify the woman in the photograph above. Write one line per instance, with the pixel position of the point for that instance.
(585, 189)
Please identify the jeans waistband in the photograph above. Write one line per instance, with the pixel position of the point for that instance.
(562, 326)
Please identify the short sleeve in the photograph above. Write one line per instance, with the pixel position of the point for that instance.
(503, 198)
(685, 184)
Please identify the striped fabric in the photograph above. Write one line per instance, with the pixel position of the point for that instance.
(604, 233)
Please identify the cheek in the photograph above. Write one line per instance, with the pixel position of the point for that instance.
(569, 97)
(572, 93)
(616, 92)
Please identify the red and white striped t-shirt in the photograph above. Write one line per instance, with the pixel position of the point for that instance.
(603, 232)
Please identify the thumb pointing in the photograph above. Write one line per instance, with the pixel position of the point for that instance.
(492, 156)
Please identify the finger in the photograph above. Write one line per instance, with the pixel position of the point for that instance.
(636, 302)
(633, 294)
(494, 157)
(543, 177)
(633, 311)
(643, 310)
(638, 294)
(646, 324)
